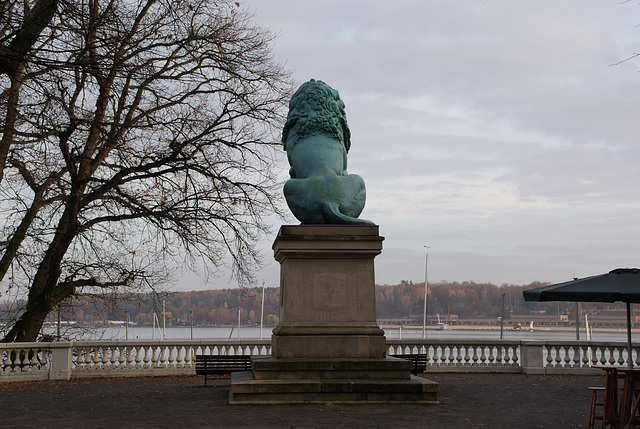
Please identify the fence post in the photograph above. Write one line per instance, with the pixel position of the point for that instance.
(60, 361)
(531, 354)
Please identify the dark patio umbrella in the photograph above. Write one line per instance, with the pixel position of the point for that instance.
(622, 284)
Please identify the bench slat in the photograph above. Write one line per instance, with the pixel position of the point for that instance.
(221, 364)
(419, 362)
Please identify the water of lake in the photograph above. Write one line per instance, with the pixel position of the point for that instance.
(199, 333)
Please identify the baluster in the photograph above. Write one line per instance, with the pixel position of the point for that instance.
(561, 356)
(122, 352)
(556, 356)
(622, 351)
(80, 360)
(483, 356)
(461, 359)
(502, 355)
(86, 357)
(502, 358)
(513, 354)
(156, 356)
(451, 358)
(25, 360)
(173, 357)
(169, 356)
(163, 357)
(480, 355)
(188, 356)
(107, 353)
(179, 357)
(137, 358)
(612, 359)
(9, 365)
(147, 363)
(470, 354)
(596, 356)
(550, 350)
(492, 356)
(115, 354)
(93, 357)
(34, 362)
(572, 358)
(130, 352)
(584, 352)
(616, 355)
(474, 354)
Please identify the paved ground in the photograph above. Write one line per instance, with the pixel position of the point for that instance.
(468, 401)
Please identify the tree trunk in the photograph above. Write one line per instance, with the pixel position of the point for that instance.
(28, 326)
(44, 294)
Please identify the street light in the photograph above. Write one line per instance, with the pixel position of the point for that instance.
(426, 285)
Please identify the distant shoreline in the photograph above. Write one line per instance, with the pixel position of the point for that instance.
(507, 327)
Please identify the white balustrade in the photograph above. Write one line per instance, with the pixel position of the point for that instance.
(25, 361)
(462, 355)
(61, 360)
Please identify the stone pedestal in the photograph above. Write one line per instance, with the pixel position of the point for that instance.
(327, 346)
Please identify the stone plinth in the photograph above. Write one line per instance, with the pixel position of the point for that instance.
(327, 291)
(327, 346)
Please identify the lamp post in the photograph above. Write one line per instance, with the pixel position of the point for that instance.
(426, 285)
(262, 310)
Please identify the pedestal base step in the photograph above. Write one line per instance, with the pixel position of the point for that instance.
(246, 390)
(389, 368)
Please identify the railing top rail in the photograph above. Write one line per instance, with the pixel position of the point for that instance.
(427, 341)
(170, 343)
(31, 345)
(267, 342)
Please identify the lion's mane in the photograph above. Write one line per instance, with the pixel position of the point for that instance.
(316, 108)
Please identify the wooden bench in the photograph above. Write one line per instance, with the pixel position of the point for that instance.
(221, 364)
(419, 362)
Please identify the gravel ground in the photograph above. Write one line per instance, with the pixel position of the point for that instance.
(467, 401)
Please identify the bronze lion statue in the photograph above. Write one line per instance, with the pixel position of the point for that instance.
(316, 138)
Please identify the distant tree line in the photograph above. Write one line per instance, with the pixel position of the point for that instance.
(466, 300)
(210, 307)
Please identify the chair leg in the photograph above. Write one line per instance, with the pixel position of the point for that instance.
(636, 405)
(594, 404)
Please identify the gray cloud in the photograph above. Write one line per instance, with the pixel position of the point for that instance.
(494, 131)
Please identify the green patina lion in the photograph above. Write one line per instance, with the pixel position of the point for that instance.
(317, 138)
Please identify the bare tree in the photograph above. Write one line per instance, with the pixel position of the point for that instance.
(147, 137)
(21, 26)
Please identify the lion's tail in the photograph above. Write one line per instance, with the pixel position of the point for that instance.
(332, 215)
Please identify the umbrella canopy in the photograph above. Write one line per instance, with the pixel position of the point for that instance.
(621, 284)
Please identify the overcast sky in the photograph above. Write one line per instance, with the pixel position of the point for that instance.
(500, 133)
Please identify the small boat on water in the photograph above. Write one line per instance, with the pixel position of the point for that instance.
(441, 325)
(518, 327)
